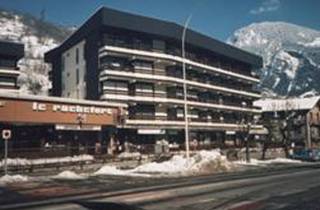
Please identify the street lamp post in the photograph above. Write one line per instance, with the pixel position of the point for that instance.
(248, 127)
(187, 143)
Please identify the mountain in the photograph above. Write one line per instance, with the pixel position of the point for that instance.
(38, 36)
(291, 56)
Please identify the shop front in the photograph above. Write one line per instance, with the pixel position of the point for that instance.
(51, 126)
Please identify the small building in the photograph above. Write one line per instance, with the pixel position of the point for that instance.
(302, 116)
(10, 54)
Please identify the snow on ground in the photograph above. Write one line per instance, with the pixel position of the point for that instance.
(69, 175)
(7, 179)
(204, 162)
(255, 162)
(129, 155)
(109, 170)
(24, 162)
(112, 170)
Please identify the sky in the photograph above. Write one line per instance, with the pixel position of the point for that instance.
(216, 18)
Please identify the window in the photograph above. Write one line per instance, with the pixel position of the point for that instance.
(192, 95)
(77, 56)
(143, 65)
(63, 60)
(7, 81)
(179, 92)
(115, 86)
(193, 114)
(159, 45)
(113, 63)
(77, 76)
(10, 63)
(144, 88)
(142, 111)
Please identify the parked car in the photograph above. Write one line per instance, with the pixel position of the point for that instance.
(306, 154)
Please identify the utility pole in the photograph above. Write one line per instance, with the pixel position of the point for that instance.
(186, 120)
(6, 135)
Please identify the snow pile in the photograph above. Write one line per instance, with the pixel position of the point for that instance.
(112, 170)
(24, 162)
(129, 155)
(62, 160)
(69, 175)
(204, 162)
(7, 179)
(15, 162)
(176, 164)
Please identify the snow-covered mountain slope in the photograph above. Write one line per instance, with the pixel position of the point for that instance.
(39, 37)
(291, 56)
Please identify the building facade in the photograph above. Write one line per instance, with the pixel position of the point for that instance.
(43, 126)
(10, 53)
(134, 60)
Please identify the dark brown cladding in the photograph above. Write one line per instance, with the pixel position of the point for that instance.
(11, 49)
(117, 19)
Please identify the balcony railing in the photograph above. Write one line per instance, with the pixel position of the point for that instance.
(207, 85)
(164, 56)
(129, 98)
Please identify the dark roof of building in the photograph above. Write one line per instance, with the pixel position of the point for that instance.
(114, 18)
(11, 49)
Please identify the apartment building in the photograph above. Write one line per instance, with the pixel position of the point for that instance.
(10, 53)
(137, 61)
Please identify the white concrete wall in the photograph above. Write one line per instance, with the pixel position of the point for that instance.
(70, 88)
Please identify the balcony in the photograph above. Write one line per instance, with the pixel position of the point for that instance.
(163, 124)
(128, 74)
(13, 72)
(130, 51)
(163, 100)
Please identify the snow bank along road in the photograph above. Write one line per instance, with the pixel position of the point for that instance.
(280, 188)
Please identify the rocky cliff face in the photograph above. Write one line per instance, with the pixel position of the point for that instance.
(291, 56)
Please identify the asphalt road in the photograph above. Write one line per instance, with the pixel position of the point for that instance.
(278, 188)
